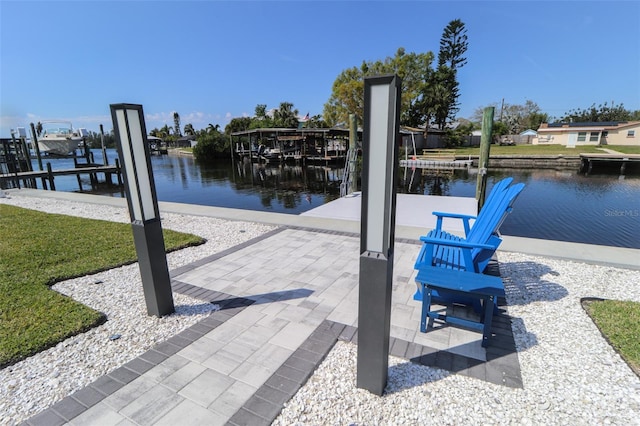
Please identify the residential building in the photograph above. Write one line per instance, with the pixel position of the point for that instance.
(577, 134)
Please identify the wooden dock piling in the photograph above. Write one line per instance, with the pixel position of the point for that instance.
(483, 163)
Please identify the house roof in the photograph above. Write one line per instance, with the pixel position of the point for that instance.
(279, 131)
(587, 126)
(296, 134)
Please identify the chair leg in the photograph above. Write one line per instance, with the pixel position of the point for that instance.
(418, 294)
(426, 307)
(488, 318)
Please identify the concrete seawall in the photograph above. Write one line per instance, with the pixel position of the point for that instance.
(529, 161)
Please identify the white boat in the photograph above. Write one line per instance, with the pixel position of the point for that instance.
(60, 138)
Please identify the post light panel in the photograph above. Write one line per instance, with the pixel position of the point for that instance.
(382, 101)
(129, 126)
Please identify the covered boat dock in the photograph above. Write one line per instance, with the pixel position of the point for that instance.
(323, 145)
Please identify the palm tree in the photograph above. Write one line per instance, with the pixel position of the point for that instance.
(286, 116)
(176, 121)
(211, 128)
(188, 129)
(165, 131)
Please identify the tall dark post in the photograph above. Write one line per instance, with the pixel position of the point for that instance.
(133, 149)
(353, 149)
(105, 160)
(483, 161)
(380, 163)
(36, 147)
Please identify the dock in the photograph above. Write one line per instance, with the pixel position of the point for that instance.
(587, 161)
(412, 210)
(436, 159)
(419, 163)
(48, 176)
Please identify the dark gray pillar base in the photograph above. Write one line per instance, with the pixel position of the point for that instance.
(374, 321)
(154, 271)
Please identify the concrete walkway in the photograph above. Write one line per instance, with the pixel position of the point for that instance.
(285, 299)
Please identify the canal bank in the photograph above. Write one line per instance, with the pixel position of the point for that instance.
(350, 223)
(553, 202)
(558, 162)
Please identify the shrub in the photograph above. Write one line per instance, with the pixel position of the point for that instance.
(210, 146)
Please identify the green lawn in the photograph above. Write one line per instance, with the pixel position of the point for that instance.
(619, 322)
(39, 249)
(546, 150)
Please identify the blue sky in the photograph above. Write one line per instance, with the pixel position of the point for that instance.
(214, 60)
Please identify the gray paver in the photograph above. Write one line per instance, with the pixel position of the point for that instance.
(262, 407)
(101, 414)
(152, 405)
(138, 366)
(106, 385)
(270, 356)
(233, 398)
(251, 374)
(245, 417)
(200, 350)
(183, 376)
(193, 413)
(166, 368)
(129, 392)
(206, 387)
(46, 418)
(88, 396)
(292, 335)
(68, 408)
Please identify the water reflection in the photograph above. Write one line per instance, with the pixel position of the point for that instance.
(555, 204)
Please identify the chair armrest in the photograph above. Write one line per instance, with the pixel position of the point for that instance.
(455, 243)
(454, 215)
(464, 217)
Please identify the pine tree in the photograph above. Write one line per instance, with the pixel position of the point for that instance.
(442, 89)
(453, 45)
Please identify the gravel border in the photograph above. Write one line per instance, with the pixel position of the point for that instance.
(32, 385)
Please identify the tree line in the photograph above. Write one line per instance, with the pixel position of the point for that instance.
(430, 93)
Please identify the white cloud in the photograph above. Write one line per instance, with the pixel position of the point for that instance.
(90, 122)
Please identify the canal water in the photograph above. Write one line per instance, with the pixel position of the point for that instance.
(562, 205)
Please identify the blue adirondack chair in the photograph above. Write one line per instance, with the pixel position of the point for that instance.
(473, 252)
(450, 267)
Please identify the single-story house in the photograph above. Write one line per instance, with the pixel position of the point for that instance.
(576, 134)
(187, 141)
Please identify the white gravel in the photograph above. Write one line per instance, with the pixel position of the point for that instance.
(36, 383)
(571, 375)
